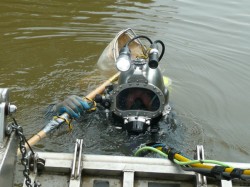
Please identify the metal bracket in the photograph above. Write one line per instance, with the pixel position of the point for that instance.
(201, 181)
(5, 109)
(36, 164)
(75, 180)
(128, 178)
(4, 99)
(8, 142)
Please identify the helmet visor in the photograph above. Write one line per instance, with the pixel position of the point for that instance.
(137, 99)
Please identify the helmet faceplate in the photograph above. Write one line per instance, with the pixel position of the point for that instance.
(140, 94)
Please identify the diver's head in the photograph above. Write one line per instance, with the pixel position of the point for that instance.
(140, 96)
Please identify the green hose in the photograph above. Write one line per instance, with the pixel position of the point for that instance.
(148, 148)
(201, 161)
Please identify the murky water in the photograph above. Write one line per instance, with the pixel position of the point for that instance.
(49, 50)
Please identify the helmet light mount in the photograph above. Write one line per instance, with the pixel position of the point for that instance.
(123, 62)
(153, 56)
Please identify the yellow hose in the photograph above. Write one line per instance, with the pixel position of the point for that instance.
(199, 165)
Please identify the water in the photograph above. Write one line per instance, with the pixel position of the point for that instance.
(49, 50)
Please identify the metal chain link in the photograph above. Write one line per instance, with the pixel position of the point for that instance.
(23, 150)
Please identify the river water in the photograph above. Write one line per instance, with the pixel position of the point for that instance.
(49, 50)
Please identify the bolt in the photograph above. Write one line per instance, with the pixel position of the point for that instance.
(9, 129)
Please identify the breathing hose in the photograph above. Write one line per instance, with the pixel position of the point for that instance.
(200, 166)
(150, 41)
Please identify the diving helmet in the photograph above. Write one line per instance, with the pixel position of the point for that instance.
(139, 98)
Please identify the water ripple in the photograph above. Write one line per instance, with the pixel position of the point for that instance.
(47, 45)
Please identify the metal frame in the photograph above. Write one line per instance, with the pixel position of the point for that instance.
(4, 99)
(201, 181)
(8, 144)
(131, 34)
(77, 170)
(120, 170)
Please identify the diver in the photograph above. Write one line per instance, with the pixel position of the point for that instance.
(138, 100)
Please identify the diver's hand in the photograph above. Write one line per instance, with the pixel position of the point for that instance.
(72, 105)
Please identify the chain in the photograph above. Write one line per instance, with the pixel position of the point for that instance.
(23, 150)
